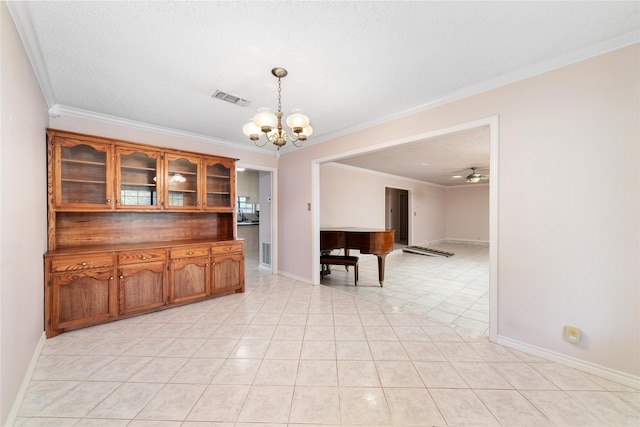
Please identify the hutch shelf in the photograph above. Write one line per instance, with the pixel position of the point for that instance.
(134, 228)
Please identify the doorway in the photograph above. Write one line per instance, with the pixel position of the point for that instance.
(493, 125)
(397, 214)
(254, 204)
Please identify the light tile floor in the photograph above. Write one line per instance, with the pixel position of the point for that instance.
(285, 353)
(452, 290)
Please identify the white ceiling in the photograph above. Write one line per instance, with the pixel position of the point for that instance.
(443, 160)
(351, 64)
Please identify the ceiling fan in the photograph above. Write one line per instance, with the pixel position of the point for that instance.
(474, 177)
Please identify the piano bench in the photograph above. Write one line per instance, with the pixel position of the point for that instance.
(326, 260)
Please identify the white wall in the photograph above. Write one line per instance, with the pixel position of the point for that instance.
(467, 213)
(353, 197)
(23, 212)
(568, 240)
(248, 185)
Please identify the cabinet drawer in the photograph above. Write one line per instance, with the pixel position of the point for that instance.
(80, 262)
(225, 248)
(189, 252)
(126, 258)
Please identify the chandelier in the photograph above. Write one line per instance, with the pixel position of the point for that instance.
(271, 124)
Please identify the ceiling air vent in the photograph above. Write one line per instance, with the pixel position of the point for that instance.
(230, 98)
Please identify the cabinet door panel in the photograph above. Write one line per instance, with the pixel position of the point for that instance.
(189, 278)
(228, 273)
(219, 184)
(137, 178)
(142, 287)
(82, 297)
(181, 180)
(83, 175)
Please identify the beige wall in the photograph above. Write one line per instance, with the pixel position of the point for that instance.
(568, 240)
(23, 213)
(248, 185)
(467, 213)
(352, 197)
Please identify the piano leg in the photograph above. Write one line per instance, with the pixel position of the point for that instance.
(381, 258)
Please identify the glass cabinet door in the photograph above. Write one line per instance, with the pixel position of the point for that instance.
(137, 176)
(220, 181)
(181, 182)
(83, 175)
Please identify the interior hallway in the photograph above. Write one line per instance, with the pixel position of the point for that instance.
(285, 353)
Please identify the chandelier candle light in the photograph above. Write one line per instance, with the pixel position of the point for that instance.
(271, 124)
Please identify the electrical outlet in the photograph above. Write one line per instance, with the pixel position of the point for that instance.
(572, 334)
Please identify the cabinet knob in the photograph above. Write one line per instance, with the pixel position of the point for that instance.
(118, 201)
(205, 203)
(111, 278)
(227, 249)
(84, 263)
(198, 203)
(206, 265)
(190, 253)
(108, 200)
(144, 257)
(121, 276)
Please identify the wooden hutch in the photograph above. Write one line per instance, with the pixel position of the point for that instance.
(134, 228)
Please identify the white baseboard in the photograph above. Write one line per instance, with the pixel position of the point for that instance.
(592, 368)
(295, 277)
(13, 413)
(466, 241)
(450, 240)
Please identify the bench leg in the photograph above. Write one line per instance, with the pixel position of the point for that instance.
(355, 273)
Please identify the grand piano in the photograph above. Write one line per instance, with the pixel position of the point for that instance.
(378, 242)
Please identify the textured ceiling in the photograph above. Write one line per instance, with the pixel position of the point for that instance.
(444, 160)
(351, 64)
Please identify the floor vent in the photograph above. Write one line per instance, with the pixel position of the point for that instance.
(426, 251)
(230, 98)
(266, 253)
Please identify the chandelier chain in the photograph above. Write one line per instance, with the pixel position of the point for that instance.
(279, 93)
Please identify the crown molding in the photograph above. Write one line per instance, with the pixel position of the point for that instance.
(383, 174)
(24, 25)
(564, 60)
(60, 110)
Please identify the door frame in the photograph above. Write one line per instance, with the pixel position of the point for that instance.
(405, 194)
(273, 207)
(493, 123)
